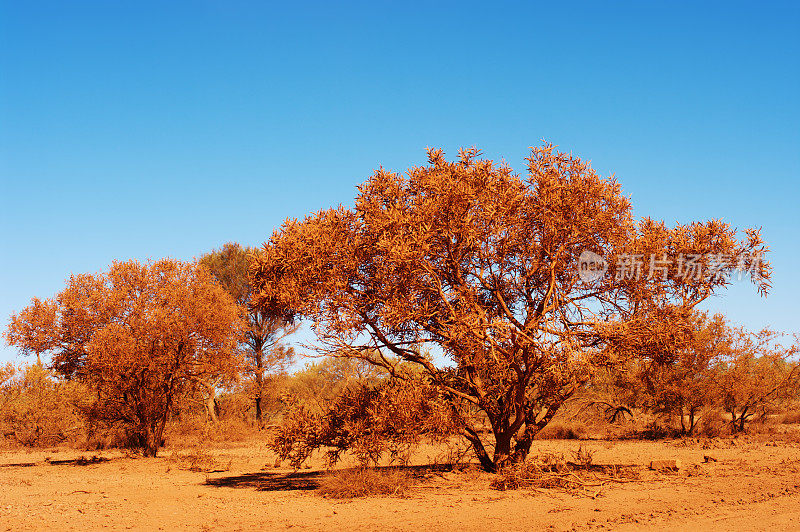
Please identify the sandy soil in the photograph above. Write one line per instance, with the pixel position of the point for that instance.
(752, 486)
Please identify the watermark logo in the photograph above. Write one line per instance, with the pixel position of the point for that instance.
(591, 266)
(688, 267)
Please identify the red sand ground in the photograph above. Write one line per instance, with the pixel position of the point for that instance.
(753, 486)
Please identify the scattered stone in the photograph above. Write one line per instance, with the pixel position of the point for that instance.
(665, 465)
(708, 458)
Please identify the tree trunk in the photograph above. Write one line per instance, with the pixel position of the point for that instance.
(259, 359)
(212, 407)
(502, 448)
(480, 451)
(154, 436)
(523, 446)
(742, 419)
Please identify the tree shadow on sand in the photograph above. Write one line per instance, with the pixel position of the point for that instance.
(302, 480)
(264, 481)
(82, 461)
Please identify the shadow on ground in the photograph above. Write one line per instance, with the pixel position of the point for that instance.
(270, 481)
(300, 480)
(82, 461)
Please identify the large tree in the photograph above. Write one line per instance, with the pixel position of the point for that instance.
(481, 267)
(262, 341)
(140, 336)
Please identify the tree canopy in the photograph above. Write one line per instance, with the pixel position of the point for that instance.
(473, 262)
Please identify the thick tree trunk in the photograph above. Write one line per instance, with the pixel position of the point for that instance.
(502, 449)
(154, 436)
(523, 446)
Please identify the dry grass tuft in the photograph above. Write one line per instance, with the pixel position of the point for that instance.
(558, 431)
(365, 482)
(198, 460)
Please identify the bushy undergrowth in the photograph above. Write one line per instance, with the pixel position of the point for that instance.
(194, 428)
(37, 410)
(367, 421)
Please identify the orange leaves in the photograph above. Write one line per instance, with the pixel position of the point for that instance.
(481, 264)
(140, 335)
(29, 329)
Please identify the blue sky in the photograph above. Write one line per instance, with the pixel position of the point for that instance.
(143, 130)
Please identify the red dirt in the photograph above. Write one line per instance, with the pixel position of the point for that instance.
(752, 486)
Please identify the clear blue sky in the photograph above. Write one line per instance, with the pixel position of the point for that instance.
(143, 130)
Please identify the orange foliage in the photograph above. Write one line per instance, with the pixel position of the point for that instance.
(755, 373)
(369, 421)
(468, 260)
(140, 336)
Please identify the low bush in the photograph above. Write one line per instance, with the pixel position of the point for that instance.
(559, 431)
(712, 425)
(368, 422)
(37, 410)
(365, 482)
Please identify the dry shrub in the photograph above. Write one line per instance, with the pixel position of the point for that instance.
(195, 429)
(198, 460)
(560, 431)
(37, 410)
(109, 436)
(713, 425)
(584, 457)
(652, 431)
(365, 482)
(369, 422)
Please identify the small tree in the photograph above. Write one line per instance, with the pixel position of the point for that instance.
(754, 374)
(140, 336)
(479, 266)
(679, 382)
(317, 385)
(262, 340)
